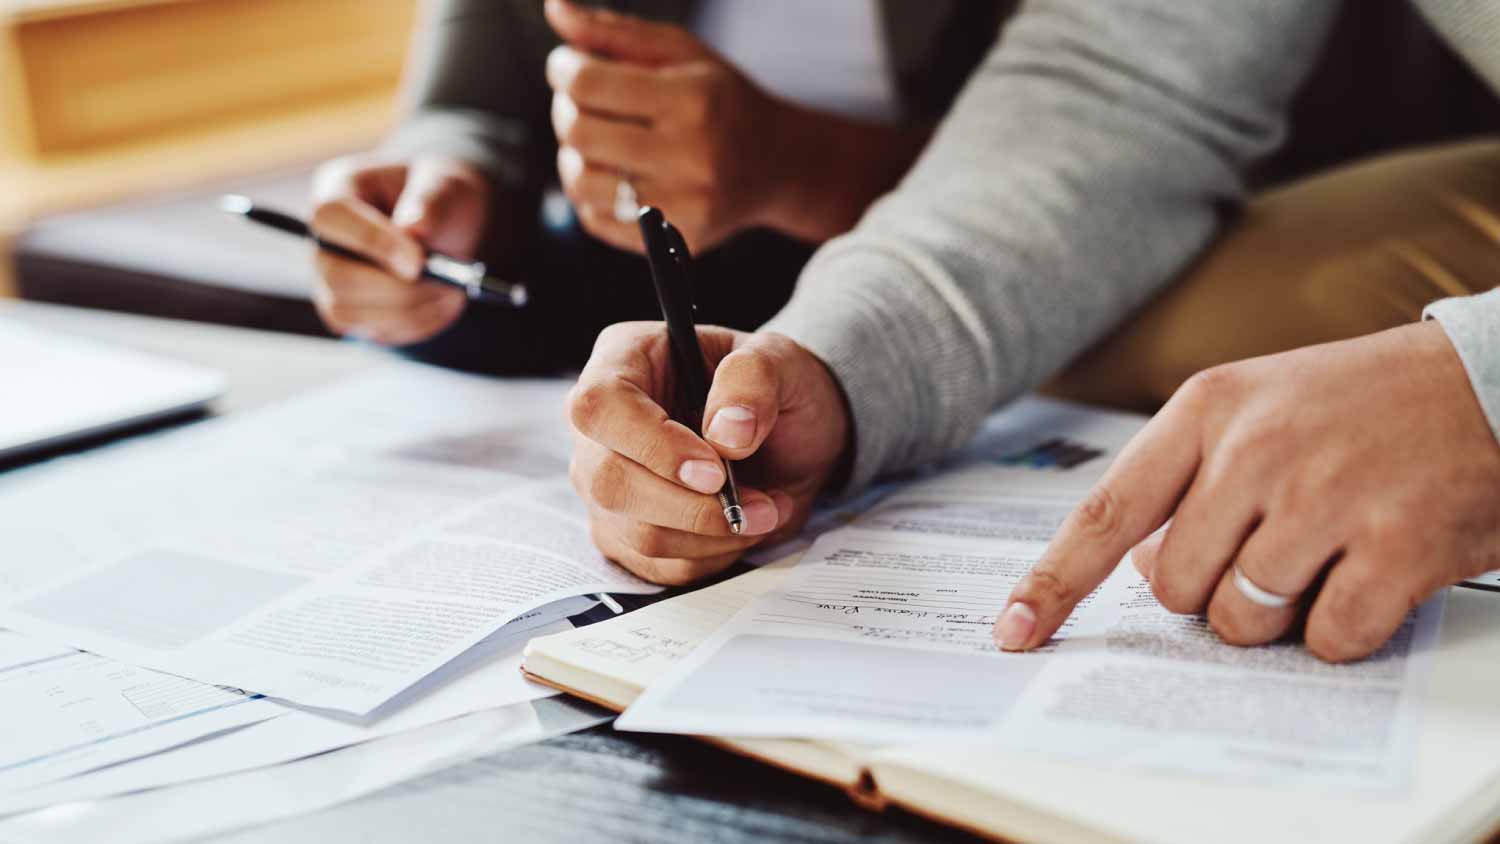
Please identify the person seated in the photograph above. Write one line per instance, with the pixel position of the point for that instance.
(761, 129)
(1324, 450)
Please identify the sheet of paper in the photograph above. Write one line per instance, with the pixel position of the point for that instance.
(487, 676)
(17, 650)
(869, 638)
(1137, 686)
(639, 646)
(215, 806)
(1029, 464)
(330, 551)
(882, 632)
(1490, 581)
(75, 711)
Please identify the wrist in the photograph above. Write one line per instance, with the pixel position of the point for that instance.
(829, 169)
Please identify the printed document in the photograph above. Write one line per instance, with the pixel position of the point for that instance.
(330, 551)
(882, 633)
(74, 712)
(1138, 686)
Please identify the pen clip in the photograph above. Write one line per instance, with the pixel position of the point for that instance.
(684, 259)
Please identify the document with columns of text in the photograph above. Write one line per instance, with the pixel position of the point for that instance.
(881, 633)
(331, 551)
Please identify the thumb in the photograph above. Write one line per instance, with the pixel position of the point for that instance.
(744, 401)
(613, 35)
(443, 205)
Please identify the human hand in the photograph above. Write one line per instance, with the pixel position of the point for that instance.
(650, 103)
(1357, 477)
(394, 212)
(649, 482)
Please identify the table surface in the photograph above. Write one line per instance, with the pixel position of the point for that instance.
(579, 787)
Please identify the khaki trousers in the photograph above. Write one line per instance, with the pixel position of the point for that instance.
(1349, 252)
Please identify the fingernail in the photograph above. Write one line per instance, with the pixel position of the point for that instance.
(562, 65)
(760, 517)
(569, 165)
(733, 427)
(1015, 627)
(702, 475)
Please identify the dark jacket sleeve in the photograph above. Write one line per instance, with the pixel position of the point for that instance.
(478, 88)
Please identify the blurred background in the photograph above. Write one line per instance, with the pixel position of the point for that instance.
(105, 103)
(122, 120)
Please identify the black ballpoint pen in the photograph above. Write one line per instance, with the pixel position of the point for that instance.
(668, 255)
(444, 269)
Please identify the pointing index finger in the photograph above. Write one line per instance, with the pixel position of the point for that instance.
(1135, 497)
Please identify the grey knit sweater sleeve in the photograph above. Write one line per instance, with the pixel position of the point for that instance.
(1091, 156)
(1472, 27)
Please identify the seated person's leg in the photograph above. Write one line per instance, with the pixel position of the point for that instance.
(1356, 250)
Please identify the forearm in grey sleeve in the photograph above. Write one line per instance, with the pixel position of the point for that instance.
(479, 88)
(1473, 326)
(1091, 156)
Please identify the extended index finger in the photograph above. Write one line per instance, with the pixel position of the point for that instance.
(615, 404)
(1135, 497)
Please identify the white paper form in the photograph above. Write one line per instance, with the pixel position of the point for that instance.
(17, 650)
(211, 807)
(74, 712)
(330, 551)
(882, 632)
(487, 676)
(1023, 473)
(1137, 686)
(869, 638)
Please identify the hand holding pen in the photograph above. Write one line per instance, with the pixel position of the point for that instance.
(395, 217)
(652, 481)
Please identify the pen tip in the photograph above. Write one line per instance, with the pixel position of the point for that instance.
(736, 518)
(234, 203)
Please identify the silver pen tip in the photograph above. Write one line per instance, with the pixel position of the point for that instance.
(234, 203)
(736, 518)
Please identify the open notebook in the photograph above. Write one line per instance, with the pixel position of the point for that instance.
(1006, 794)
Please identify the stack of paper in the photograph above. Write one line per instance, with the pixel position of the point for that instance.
(333, 572)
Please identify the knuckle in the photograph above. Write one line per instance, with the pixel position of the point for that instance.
(1386, 532)
(1171, 595)
(327, 215)
(700, 517)
(607, 484)
(1043, 586)
(650, 540)
(1343, 629)
(751, 366)
(587, 83)
(652, 453)
(1232, 626)
(586, 405)
(674, 572)
(1213, 385)
(1099, 514)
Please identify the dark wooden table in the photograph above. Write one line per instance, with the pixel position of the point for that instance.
(588, 786)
